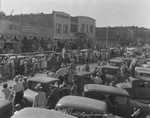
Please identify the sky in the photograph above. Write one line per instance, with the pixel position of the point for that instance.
(105, 12)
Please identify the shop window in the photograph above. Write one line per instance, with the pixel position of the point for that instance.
(87, 28)
(82, 28)
(65, 29)
(58, 28)
(91, 29)
(74, 28)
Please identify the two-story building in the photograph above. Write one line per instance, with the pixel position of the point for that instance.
(82, 30)
(52, 31)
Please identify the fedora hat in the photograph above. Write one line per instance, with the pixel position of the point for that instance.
(16, 79)
(38, 87)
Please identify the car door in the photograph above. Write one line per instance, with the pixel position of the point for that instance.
(122, 107)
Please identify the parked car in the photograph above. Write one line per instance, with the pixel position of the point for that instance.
(2, 56)
(82, 78)
(117, 100)
(142, 73)
(116, 62)
(113, 74)
(6, 109)
(31, 112)
(139, 89)
(81, 106)
(45, 82)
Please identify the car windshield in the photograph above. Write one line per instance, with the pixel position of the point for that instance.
(121, 100)
(32, 85)
(145, 74)
(110, 71)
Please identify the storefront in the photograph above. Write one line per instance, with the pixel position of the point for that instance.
(9, 40)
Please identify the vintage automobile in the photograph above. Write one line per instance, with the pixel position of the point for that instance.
(142, 73)
(140, 85)
(45, 82)
(40, 55)
(82, 78)
(2, 56)
(81, 107)
(113, 74)
(32, 112)
(116, 62)
(117, 100)
(6, 109)
(138, 89)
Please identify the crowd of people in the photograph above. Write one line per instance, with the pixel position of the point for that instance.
(63, 67)
(10, 66)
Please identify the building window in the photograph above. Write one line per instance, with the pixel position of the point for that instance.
(73, 28)
(58, 28)
(82, 28)
(62, 16)
(91, 28)
(87, 28)
(65, 29)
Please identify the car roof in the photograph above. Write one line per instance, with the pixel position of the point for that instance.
(84, 50)
(43, 79)
(82, 103)
(83, 73)
(18, 56)
(111, 67)
(116, 60)
(105, 89)
(40, 55)
(8, 54)
(32, 112)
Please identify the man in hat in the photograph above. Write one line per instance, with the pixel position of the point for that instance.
(40, 98)
(18, 89)
(53, 97)
(74, 87)
(61, 72)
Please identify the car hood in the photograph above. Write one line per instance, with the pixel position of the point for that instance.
(145, 108)
(29, 95)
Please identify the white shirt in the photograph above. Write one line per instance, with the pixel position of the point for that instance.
(18, 87)
(61, 72)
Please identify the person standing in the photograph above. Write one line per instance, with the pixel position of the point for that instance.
(53, 98)
(6, 91)
(40, 98)
(97, 79)
(73, 90)
(18, 89)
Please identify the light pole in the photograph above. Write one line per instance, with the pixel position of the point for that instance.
(106, 36)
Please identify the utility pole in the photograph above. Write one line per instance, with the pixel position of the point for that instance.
(106, 36)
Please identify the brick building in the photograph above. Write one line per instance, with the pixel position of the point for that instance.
(62, 25)
(121, 35)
